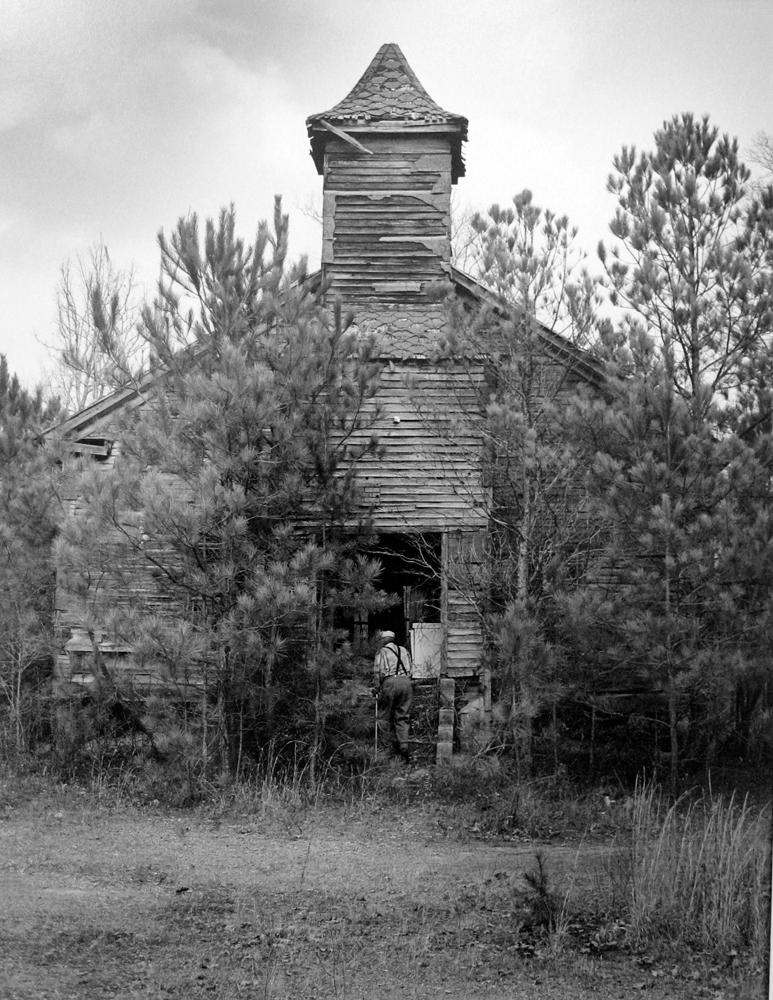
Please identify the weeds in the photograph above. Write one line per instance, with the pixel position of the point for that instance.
(693, 874)
(298, 924)
(698, 874)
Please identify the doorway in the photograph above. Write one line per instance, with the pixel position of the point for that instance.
(411, 575)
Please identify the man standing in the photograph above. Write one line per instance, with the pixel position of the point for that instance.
(394, 691)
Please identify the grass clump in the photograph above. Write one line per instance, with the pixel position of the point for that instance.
(699, 874)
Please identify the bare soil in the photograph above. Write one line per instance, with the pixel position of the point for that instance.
(100, 902)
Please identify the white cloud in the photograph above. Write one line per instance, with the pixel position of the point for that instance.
(117, 116)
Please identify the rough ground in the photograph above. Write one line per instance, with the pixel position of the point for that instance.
(98, 903)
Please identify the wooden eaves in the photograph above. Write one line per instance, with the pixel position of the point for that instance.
(555, 344)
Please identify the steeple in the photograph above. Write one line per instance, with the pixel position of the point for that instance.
(387, 97)
(389, 155)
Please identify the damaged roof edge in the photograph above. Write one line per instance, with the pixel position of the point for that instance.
(80, 422)
(556, 343)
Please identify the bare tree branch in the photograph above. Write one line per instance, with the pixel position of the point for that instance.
(97, 347)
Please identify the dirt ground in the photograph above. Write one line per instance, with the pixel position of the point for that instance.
(108, 902)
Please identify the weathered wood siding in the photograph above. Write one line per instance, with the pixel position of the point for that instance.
(462, 555)
(118, 578)
(386, 217)
(386, 239)
(427, 476)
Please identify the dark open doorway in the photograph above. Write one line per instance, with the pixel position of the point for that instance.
(411, 574)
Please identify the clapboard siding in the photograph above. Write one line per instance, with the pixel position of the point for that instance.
(121, 580)
(386, 220)
(427, 476)
(120, 576)
(462, 553)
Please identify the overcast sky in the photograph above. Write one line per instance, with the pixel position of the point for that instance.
(118, 116)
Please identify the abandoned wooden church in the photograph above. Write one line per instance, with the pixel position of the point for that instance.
(388, 156)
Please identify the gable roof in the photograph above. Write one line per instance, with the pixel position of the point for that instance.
(563, 350)
(98, 416)
(388, 97)
(102, 410)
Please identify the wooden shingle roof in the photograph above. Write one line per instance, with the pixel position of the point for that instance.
(389, 91)
(388, 97)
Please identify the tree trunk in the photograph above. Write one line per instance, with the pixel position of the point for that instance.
(673, 732)
(268, 683)
(240, 746)
(20, 741)
(672, 706)
(221, 712)
(521, 666)
(318, 625)
(526, 728)
(205, 728)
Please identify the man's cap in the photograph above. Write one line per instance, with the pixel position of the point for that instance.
(386, 636)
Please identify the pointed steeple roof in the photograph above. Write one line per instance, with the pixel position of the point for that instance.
(388, 95)
(388, 90)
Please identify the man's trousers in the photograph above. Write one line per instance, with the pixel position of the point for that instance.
(394, 699)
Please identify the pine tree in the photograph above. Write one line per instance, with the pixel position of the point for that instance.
(236, 485)
(681, 470)
(544, 304)
(692, 263)
(672, 617)
(27, 520)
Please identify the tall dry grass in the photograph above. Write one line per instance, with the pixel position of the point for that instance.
(699, 874)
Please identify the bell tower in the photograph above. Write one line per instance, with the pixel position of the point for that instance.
(388, 155)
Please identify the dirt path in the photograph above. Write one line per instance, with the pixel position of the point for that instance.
(123, 904)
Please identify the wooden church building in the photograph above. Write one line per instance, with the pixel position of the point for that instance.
(388, 156)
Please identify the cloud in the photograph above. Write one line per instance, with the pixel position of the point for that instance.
(113, 126)
(117, 116)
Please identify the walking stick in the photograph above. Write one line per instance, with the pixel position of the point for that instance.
(375, 733)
